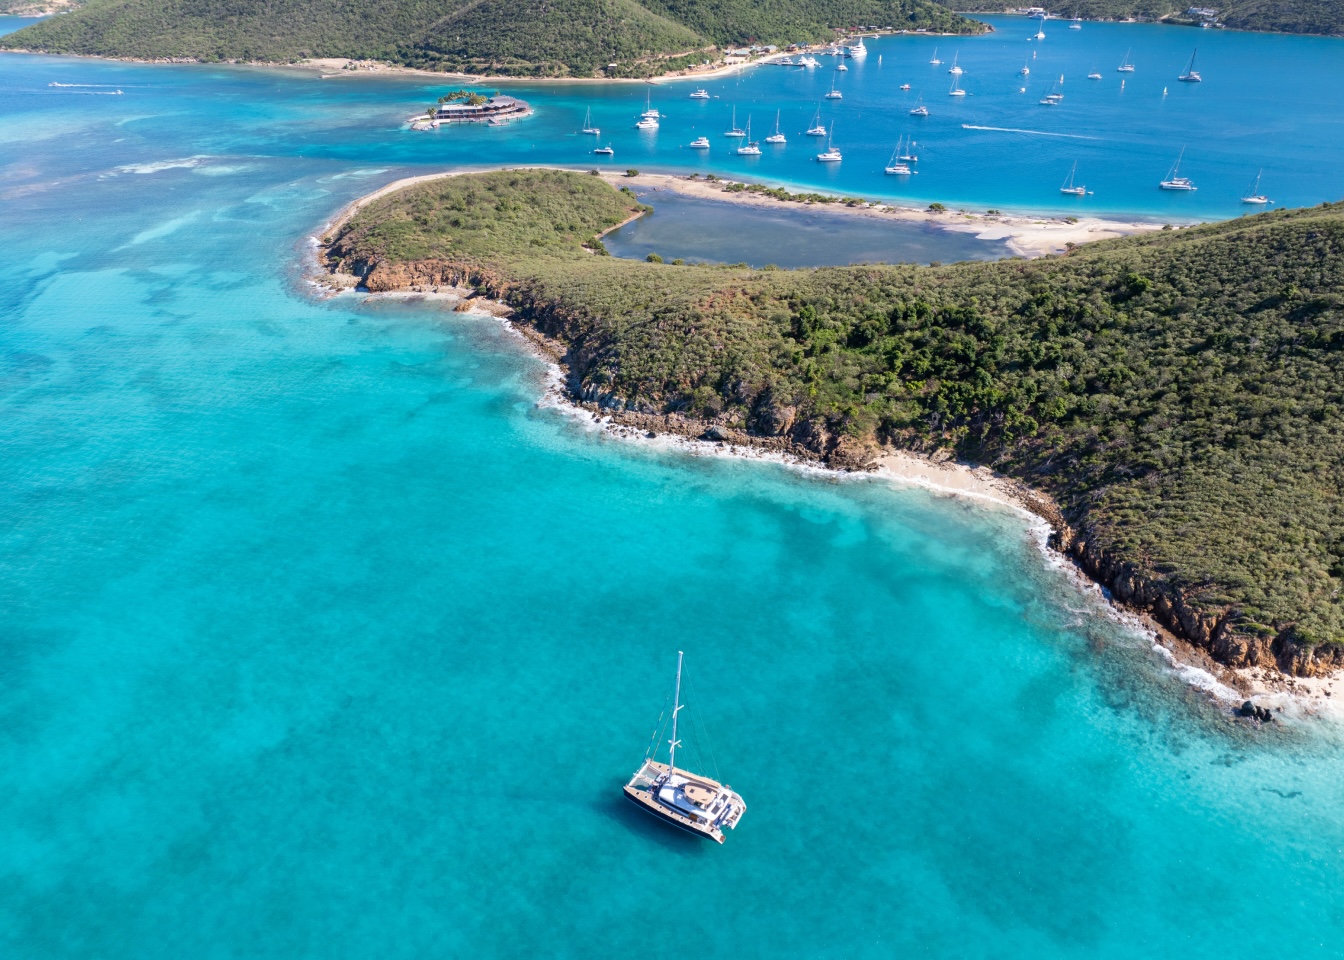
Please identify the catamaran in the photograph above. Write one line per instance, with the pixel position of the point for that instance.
(1125, 65)
(1191, 75)
(908, 155)
(701, 94)
(955, 70)
(834, 93)
(830, 154)
(700, 143)
(588, 124)
(1069, 187)
(1253, 194)
(751, 148)
(920, 110)
(934, 59)
(687, 800)
(734, 130)
(818, 129)
(776, 137)
(1174, 180)
(897, 166)
(649, 113)
(956, 90)
(1040, 29)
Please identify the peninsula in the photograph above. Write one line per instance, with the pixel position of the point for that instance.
(534, 38)
(1177, 394)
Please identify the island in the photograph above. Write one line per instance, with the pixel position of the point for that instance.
(1171, 402)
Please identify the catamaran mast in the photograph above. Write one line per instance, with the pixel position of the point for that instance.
(676, 708)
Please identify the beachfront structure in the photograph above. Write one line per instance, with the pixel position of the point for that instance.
(498, 107)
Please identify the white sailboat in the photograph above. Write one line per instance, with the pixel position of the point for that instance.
(1253, 194)
(684, 799)
(842, 68)
(1026, 69)
(895, 168)
(751, 148)
(830, 154)
(649, 113)
(818, 129)
(1125, 65)
(908, 155)
(1174, 180)
(734, 130)
(1094, 75)
(1191, 75)
(834, 94)
(920, 110)
(1070, 187)
(956, 70)
(1077, 22)
(934, 59)
(776, 137)
(1040, 29)
(956, 90)
(588, 127)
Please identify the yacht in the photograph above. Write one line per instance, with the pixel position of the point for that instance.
(818, 129)
(1174, 180)
(830, 154)
(1094, 75)
(684, 799)
(934, 60)
(1125, 65)
(1026, 69)
(1069, 187)
(905, 86)
(751, 148)
(834, 94)
(776, 137)
(1191, 75)
(956, 70)
(1253, 194)
(856, 51)
(920, 110)
(956, 90)
(808, 62)
(647, 123)
(701, 94)
(700, 143)
(606, 151)
(588, 124)
(734, 130)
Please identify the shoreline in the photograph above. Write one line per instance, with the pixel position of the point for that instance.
(1026, 235)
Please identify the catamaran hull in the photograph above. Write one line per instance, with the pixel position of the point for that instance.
(646, 803)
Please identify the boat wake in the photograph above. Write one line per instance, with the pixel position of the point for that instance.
(1034, 133)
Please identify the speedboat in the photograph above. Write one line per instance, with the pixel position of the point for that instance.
(905, 86)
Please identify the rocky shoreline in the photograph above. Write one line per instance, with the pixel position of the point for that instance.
(1272, 662)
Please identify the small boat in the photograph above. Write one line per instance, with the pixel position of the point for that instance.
(606, 151)
(1040, 30)
(751, 148)
(955, 70)
(647, 123)
(1125, 65)
(905, 86)
(830, 154)
(776, 137)
(588, 127)
(842, 67)
(1253, 194)
(1026, 69)
(834, 93)
(1077, 23)
(700, 143)
(1174, 180)
(1069, 187)
(909, 155)
(920, 110)
(734, 130)
(956, 90)
(1094, 75)
(818, 129)
(701, 94)
(687, 800)
(808, 62)
(934, 60)
(1191, 75)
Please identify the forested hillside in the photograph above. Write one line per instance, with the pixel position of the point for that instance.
(1277, 16)
(1181, 395)
(520, 37)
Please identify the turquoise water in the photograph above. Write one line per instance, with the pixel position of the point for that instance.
(321, 639)
(711, 231)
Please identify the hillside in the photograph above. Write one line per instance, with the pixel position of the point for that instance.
(1275, 16)
(517, 37)
(1180, 395)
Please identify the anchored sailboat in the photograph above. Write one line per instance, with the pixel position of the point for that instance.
(956, 70)
(588, 123)
(1191, 75)
(920, 110)
(1069, 187)
(734, 130)
(687, 800)
(956, 90)
(818, 129)
(1174, 179)
(934, 59)
(776, 137)
(751, 148)
(1125, 65)
(896, 166)
(1253, 194)
(834, 93)
(830, 154)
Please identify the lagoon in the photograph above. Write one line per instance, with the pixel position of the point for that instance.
(321, 638)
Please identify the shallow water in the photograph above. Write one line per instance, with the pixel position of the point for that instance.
(320, 639)
(709, 231)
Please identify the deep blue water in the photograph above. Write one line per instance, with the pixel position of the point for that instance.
(320, 639)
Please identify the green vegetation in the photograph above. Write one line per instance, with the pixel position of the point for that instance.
(622, 38)
(1180, 394)
(1300, 16)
